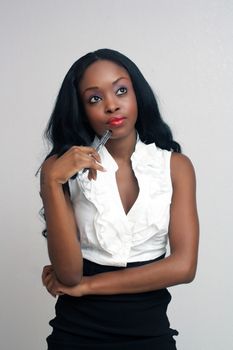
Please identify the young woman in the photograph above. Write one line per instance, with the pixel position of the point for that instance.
(107, 228)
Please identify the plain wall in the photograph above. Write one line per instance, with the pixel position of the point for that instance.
(184, 48)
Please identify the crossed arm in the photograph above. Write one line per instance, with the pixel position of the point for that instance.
(179, 267)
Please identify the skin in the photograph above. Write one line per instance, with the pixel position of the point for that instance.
(107, 91)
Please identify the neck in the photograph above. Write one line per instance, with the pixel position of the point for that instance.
(121, 149)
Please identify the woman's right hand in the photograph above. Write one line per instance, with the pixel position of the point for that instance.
(54, 287)
(60, 170)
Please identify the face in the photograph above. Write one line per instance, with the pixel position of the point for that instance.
(109, 99)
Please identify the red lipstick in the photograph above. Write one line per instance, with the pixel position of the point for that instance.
(116, 121)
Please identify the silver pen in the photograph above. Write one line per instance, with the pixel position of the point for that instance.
(103, 140)
(100, 144)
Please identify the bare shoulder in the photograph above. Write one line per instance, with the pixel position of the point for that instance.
(182, 169)
(49, 161)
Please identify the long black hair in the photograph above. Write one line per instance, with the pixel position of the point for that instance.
(68, 124)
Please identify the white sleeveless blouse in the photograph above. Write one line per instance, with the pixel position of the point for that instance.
(110, 237)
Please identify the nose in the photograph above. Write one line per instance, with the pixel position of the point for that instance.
(111, 104)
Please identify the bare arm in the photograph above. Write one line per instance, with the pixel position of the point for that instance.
(63, 243)
(178, 268)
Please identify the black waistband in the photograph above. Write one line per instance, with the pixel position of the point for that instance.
(91, 268)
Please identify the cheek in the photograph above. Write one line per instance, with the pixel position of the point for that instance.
(92, 111)
(134, 107)
(93, 119)
(90, 114)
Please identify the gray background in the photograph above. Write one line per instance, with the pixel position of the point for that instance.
(184, 48)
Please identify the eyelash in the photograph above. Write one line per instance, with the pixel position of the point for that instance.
(123, 88)
(95, 97)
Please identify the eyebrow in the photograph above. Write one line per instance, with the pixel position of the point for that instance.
(96, 87)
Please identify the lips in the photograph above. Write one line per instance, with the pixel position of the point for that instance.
(116, 121)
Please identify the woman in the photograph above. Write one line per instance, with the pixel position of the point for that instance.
(107, 228)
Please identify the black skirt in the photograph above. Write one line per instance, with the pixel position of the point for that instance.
(112, 322)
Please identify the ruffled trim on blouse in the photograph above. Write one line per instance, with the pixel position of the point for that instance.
(117, 232)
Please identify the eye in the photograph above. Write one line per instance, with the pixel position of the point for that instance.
(121, 91)
(94, 99)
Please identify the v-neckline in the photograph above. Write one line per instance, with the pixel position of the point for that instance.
(114, 167)
(119, 196)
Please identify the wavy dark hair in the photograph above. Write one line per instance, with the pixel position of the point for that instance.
(68, 124)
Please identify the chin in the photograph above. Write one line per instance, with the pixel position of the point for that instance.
(118, 133)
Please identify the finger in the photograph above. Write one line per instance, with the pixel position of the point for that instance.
(93, 164)
(92, 175)
(48, 279)
(46, 270)
(96, 156)
(52, 284)
(86, 150)
(56, 289)
(51, 287)
(51, 291)
(81, 160)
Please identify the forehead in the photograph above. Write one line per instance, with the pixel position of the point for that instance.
(101, 72)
